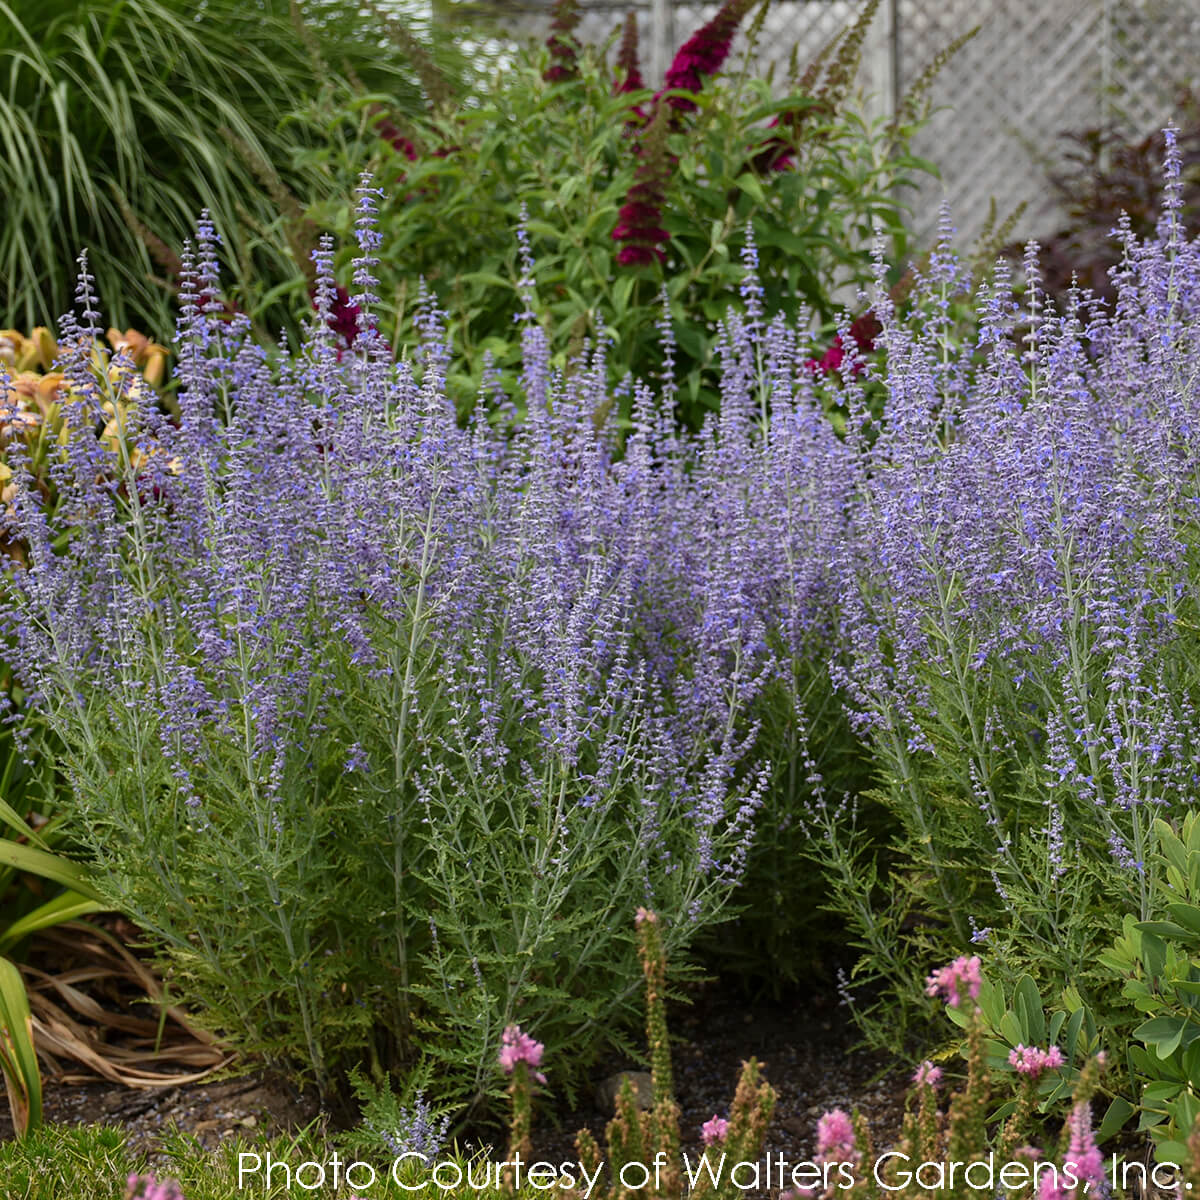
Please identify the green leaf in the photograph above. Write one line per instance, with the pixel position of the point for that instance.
(749, 183)
(1071, 1037)
(1114, 1119)
(622, 292)
(67, 906)
(1170, 846)
(18, 1059)
(1057, 1019)
(1029, 1002)
(1162, 1033)
(488, 277)
(13, 819)
(1187, 915)
(1012, 1028)
(47, 866)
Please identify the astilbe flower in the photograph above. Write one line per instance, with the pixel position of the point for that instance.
(836, 1140)
(147, 1187)
(565, 16)
(960, 980)
(639, 222)
(1032, 1061)
(704, 53)
(517, 1047)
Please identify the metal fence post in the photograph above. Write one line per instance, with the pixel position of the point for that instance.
(662, 39)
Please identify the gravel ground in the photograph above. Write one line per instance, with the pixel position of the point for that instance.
(805, 1046)
(806, 1049)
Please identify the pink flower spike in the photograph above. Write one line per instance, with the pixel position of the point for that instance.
(1032, 1062)
(714, 1130)
(1082, 1150)
(927, 1075)
(147, 1187)
(963, 974)
(835, 1138)
(516, 1047)
(1049, 1188)
(645, 914)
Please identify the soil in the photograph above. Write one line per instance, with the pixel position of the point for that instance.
(806, 1046)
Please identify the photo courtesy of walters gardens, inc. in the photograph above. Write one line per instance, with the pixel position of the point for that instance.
(708, 1174)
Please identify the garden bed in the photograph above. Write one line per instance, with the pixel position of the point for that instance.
(806, 1042)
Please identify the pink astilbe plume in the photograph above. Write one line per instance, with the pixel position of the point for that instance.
(1082, 1150)
(629, 74)
(963, 975)
(517, 1047)
(704, 53)
(563, 22)
(835, 1138)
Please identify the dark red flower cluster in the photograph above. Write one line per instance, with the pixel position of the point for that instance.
(561, 41)
(704, 53)
(863, 332)
(639, 223)
(343, 318)
(390, 132)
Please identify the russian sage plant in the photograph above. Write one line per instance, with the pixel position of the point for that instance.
(356, 702)
(1018, 613)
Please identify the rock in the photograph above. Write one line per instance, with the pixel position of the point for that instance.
(641, 1082)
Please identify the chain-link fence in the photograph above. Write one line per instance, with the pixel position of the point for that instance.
(1035, 69)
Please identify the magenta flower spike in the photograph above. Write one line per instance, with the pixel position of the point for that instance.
(704, 53)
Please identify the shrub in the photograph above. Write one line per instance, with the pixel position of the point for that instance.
(1101, 177)
(627, 196)
(352, 703)
(348, 656)
(120, 122)
(1016, 622)
(1158, 964)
